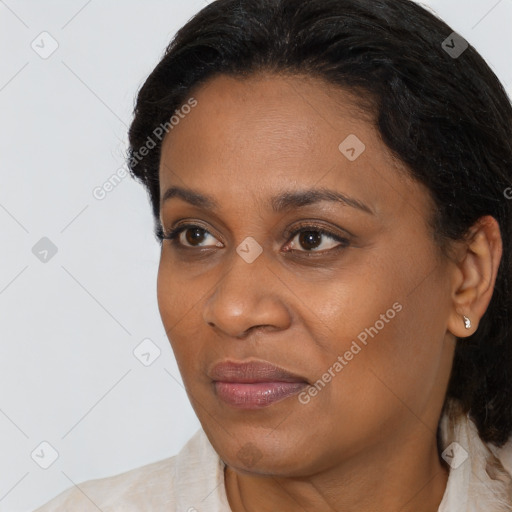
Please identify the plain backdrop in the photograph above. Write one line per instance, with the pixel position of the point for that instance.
(77, 273)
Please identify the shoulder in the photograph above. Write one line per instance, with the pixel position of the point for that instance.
(123, 490)
(504, 454)
(161, 485)
(480, 477)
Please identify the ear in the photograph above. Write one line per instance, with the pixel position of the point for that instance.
(475, 275)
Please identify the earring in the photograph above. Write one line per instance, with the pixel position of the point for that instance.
(467, 322)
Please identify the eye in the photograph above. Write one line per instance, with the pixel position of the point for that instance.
(312, 238)
(190, 233)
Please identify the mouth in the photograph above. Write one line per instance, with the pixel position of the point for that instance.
(254, 384)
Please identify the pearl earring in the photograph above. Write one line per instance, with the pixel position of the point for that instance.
(467, 322)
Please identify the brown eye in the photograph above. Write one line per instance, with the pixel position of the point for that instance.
(190, 235)
(195, 235)
(311, 238)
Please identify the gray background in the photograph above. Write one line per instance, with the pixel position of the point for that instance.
(70, 324)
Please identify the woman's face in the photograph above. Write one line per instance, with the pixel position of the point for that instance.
(358, 314)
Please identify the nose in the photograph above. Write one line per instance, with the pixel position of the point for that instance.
(248, 296)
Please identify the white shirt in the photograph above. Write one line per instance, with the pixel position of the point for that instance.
(193, 480)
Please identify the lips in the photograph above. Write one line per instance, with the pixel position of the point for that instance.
(252, 371)
(254, 384)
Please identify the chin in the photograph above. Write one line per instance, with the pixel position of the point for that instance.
(251, 449)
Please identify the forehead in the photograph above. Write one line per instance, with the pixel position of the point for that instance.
(268, 132)
(288, 115)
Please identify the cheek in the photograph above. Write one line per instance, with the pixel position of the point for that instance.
(411, 355)
(180, 297)
(167, 294)
(386, 313)
(400, 329)
(176, 300)
(176, 291)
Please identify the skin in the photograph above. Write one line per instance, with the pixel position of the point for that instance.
(367, 440)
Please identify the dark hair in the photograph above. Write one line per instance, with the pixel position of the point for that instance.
(446, 116)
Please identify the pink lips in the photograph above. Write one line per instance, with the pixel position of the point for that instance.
(253, 385)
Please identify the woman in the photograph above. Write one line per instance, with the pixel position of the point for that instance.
(329, 186)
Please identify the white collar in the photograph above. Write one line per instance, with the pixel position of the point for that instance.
(480, 478)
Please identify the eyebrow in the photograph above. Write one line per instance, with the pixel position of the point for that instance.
(282, 202)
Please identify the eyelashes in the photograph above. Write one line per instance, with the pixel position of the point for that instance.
(308, 234)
